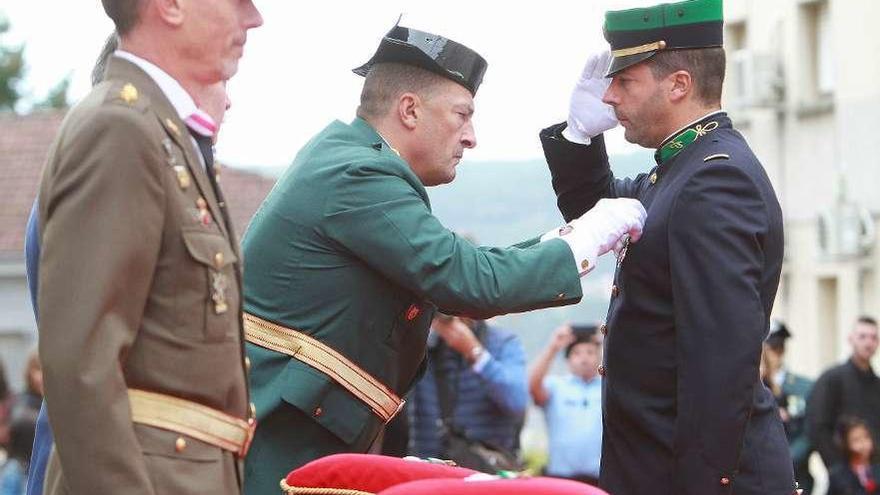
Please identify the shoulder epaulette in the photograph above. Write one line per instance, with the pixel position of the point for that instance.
(717, 156)
(125, 93)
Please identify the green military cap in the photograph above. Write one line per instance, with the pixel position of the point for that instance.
(636, 35)
(431, 52)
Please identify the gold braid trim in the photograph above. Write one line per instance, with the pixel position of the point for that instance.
(305, 490)
(369, 390)
(635, 50)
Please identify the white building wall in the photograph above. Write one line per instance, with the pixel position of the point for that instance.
(814, 138)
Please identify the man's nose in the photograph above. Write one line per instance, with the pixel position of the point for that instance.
(252, 17)
(610, 96)
(469, 138)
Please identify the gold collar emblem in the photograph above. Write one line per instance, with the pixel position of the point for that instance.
(129, 93)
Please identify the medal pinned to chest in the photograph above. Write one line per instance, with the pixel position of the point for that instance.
(219, 285)
(183, 178)
(201, 212)
(621, 250)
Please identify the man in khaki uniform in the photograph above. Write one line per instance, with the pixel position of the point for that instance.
(140, 324)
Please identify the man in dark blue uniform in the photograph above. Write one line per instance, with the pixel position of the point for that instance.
(685, 412)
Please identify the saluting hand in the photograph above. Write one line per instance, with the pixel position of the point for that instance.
(588, 115)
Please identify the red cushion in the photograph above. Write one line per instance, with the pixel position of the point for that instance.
(365, 473)
(524, 486)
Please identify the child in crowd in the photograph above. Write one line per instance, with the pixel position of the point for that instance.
(857, 475)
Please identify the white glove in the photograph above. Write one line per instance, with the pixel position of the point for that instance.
(600, 230)
(588, 116)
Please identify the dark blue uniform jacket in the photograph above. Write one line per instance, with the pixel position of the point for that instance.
(685, 412)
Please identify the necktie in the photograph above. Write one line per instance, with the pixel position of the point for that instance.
(201, 127)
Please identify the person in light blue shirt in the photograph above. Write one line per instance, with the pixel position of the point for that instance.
(572, 403)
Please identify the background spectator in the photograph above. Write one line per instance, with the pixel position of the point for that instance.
(856, 475)
(32, 396)
(791, 392)
(13, 473)
(849, 389)
(484, 367)
(5, 402)
(572, 403)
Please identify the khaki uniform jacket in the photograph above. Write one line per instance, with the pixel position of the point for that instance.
(128, 268)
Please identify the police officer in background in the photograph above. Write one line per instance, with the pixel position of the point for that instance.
(140, 316)
(346, 263)
(791, 392)
(685, 411)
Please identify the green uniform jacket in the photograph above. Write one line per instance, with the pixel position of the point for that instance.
(796, 392)
(125, 296)
(345, 249)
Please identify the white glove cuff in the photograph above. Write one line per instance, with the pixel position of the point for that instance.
(573, 137)
(583, 247)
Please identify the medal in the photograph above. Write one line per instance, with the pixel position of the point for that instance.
(219, 285)
(622, 254)
(204, 214)
(183, 178)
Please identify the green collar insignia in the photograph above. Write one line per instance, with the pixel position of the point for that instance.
(682, 140)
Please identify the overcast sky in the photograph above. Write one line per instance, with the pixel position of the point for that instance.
(296, 76)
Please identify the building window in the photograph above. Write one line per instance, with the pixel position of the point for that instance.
(735, 43)
(818, 49)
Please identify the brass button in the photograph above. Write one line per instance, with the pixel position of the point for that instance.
(247, 363)
(725, 481)
(561, 295)
(614, 291)
(218, 260)
(180, 444)
(318, 412)
(585, 265)
(603, 329)
(653, 178)
(601, 369)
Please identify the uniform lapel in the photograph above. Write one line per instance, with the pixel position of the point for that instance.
(121, 69)
(177, 131)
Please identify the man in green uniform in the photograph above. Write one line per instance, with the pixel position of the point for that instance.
(791, 392)
(346, 264)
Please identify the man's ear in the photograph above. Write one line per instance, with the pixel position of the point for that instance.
(681, 85)
(170, 11)
(409, 109)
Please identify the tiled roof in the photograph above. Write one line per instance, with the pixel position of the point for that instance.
(24, 143)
